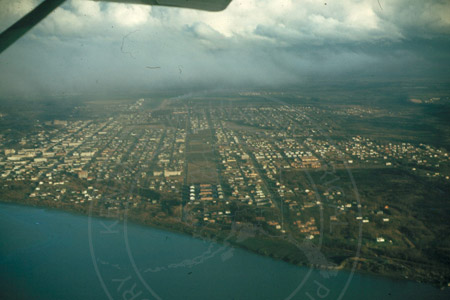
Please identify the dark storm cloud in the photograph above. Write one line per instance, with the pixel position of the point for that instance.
(92, 47)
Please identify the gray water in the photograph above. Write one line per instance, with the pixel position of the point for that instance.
(48, 254)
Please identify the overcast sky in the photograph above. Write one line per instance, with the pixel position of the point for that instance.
(89, 47)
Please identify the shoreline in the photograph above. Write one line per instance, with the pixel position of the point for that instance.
(178, 228)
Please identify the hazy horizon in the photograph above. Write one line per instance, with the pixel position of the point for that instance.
(89, 47)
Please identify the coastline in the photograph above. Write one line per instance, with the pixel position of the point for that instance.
(364, 265)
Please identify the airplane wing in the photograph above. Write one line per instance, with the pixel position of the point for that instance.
(209, 5)
(18, 29)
